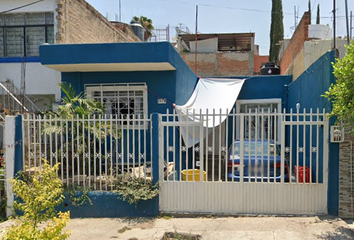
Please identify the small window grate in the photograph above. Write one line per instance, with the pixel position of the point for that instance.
(337, 134)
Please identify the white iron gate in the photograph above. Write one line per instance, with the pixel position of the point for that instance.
(228, 172)
(92, 151)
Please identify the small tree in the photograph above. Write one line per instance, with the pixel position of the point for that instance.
(38, 195)
(342, 93)
(318, 14)
(276, 30)
(77, 106)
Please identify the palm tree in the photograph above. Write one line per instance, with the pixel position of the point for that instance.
(74, 119)
(147, 25)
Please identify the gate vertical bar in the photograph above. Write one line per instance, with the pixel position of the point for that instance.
(201, 149)
(242, 139)
(282, 146)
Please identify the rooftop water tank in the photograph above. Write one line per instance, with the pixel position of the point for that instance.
(138, 30)
(270, 68)
(320, 32)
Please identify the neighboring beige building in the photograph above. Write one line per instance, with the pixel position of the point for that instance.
(306, 46)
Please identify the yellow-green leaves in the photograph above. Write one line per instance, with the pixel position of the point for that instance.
(342, 93)
(38, 195)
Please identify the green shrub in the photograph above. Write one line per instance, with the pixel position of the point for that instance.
(38, 195)
(134, 190)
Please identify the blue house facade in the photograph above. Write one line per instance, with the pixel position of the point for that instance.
(144, 79)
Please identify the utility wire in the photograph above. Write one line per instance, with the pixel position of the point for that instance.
(23, 6)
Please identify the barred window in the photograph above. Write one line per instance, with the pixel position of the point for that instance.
(22, 33)
(126, 101)
(259, 118)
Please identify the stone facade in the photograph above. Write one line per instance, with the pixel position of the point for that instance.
(79, 22)
(346, 177)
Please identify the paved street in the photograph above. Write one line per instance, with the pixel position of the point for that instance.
(263, 228)
(228, 228)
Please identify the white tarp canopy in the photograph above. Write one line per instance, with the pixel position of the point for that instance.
(209, 94)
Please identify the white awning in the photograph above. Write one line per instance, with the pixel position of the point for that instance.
(209, 94)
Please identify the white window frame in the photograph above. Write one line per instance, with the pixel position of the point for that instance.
(258, 101)
(90, 88)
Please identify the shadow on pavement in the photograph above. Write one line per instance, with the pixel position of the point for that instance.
(341, 233)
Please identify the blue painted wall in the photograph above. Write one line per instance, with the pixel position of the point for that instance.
(265, 87)
(107, 204)
(161, 83)
(307, 91)
(19, 59)
(141, 52)
(176, 86)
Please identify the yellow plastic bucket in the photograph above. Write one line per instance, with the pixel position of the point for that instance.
(187, 175)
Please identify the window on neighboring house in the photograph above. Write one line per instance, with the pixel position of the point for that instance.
(22, 33)
(125, 101)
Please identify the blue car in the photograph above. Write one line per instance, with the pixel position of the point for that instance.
(257, 167)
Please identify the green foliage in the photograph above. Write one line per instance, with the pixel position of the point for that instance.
(78, 195)
(77, 105)
(147, 25)
(134, 190)
(342, 93)
(318, 14)
(38, 196)
(276, 30)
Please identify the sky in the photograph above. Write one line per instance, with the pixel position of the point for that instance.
(224, 16)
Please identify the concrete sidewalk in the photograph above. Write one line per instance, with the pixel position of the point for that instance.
(263, 228)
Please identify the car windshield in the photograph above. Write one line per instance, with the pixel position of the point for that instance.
(250, 149)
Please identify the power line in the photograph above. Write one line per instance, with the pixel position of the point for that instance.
(23, 6)
(242, 9)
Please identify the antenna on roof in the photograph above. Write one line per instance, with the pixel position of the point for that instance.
(120, 11)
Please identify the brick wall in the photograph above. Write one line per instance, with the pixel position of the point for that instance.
(258, 60)
(221, 64)
(79, 22)
(296, 44)
(345, 209)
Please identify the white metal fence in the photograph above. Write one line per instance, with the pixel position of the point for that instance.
(92, 151)
(255, 162)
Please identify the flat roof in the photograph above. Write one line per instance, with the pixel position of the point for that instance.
(108, 57)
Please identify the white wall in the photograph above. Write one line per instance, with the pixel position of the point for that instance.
(205, 46)
(39, 79)
(45, 6)
(315, 49)
(319, 31)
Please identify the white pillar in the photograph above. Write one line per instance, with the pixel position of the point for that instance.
(9, 160)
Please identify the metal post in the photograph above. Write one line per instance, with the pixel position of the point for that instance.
(196, 39)
(351, 25)
(334, 24)
(347, 20)
(155, 148)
